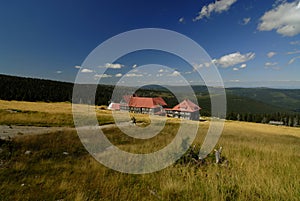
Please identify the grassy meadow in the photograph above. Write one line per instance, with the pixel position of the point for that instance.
(263, 162)
(43, 114)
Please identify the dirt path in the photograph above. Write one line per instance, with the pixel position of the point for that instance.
(13, 131)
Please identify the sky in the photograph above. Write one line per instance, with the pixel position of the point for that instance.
(252, 43)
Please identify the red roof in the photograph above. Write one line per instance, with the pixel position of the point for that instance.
(145, 102)
(187, 106)
(127, 98)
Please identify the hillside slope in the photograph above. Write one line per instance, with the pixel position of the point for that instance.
(239, 100)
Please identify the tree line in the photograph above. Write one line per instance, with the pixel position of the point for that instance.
(287, 119)
(31, 89)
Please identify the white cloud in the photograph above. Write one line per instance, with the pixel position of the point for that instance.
(235, 69)
(58, 72)
(294, 52)
(102, 75)
(208, 64)
(246, 20)
(233, 59)
(175, 74)
(295, 42)
(161, 70)
(243, 66)
(217, 7)
(133, 75)
(273, 65)
(86, 70)
(119, 75)
(285, 19)
(78, 67)
(278, 2)
(293, 60)
(181, 20)
(271, 54)
(196, 66)
(115, 66)
(134, 66)
(269, 64)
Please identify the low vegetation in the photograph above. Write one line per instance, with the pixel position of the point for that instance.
(263, 163)
(43, 114)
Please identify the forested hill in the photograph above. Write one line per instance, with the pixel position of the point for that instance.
(239, 100)
(284, 98)
(32, 89)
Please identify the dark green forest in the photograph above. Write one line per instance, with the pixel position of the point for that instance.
(259, 105)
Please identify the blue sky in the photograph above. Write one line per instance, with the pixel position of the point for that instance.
(253, 43)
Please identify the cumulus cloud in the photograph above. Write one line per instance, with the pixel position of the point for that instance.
(271, 54)
(86, 70)
(235, 69)
(233, 59)
(217, 7)
(181, 20)
(243, 66)
(115, 66)
(175, 74)
(78, 67)
(134, 66)
(119, 75)
(58, 71)
(285, 19)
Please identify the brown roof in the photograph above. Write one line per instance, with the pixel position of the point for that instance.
(145, 102)
(186, 106)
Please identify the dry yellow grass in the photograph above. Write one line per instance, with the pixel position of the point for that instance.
(264, 163)
(44, 114)
(64, 107)
(265, 129)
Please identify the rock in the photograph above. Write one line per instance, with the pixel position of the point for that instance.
(65, 153)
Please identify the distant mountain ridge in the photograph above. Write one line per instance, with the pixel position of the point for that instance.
(239, 100)
(284, 98)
